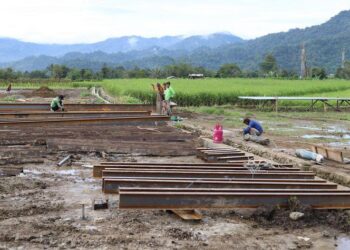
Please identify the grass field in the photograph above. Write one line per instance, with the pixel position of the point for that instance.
(209, 92)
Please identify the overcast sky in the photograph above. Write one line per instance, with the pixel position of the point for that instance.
(85, 21)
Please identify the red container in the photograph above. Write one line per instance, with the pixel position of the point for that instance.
(218, 135)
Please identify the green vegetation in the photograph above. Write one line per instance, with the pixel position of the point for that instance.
(208, 92)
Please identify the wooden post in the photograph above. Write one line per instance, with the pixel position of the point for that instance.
(158, 104)
(276, 105)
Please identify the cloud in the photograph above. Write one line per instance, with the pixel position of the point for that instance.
(72, 21)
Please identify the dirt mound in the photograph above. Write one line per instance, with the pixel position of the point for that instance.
(44, 92)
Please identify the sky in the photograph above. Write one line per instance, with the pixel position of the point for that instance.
(87, 21)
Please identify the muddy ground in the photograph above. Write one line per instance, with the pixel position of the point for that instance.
(46, 95)
(287, 131)
(42, 209)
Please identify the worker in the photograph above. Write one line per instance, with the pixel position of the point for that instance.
(254, 128)
(57, 103)
(9, 87)
(159, 90)
(168, 96)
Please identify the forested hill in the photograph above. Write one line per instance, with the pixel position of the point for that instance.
(14, 50)
(323, 44)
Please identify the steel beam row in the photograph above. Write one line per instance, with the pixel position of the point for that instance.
(11, 107)
(73, 114)
(82, 121)
(112, 185)
(216, 185)
(205, 174)
(129, 199)
(97, 169)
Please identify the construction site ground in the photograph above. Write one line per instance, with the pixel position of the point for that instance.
(287, 132)
(42, 209)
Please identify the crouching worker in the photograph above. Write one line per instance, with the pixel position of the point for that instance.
(254, 128)
(57, 104)
(253, 132)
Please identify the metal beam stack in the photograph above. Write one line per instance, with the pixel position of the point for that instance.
(239, 183)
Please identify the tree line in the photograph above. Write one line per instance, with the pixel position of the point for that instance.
(267, 68)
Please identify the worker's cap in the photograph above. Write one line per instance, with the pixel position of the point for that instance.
(61, 97)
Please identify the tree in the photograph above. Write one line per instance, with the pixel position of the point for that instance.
(319, 73)
(87, 74)
(58, 71)
(344, 73)
(269, 65)
(229, 70)
(74, 74)
(106, 72)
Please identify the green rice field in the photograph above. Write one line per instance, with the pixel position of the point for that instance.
(211, 91)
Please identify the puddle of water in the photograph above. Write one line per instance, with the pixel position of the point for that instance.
(67, 172)
(343, 243)
(321, 136)
(60, 172)
(308, 128)
(34, 172)
(328, 129)
(335, 129)
(339, 144)
(282, 129)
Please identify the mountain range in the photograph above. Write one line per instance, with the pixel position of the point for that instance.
(324, 44)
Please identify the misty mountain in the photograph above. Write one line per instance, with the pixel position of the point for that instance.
(323, 44)
(14, 50)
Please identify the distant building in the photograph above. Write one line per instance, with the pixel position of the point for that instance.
(195, 76)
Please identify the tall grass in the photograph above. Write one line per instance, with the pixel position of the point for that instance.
(207, 92)
(210, 92)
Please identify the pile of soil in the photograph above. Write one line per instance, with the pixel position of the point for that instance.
(44, 92)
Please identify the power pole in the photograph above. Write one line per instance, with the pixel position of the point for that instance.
(343, 58)
(303, 72)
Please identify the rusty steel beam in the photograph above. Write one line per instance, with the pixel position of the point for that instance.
(199, 170)
(206, 174)
(217, 154)
(10, 107)
(208, 200)
(214, 149)
(226, 158)
(191, 164)
(81, 121)
(111, 185)
(73, 114)
(97, 169)
(220, 179)
(230, 190)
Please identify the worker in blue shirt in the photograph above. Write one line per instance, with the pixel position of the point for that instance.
(254, 127)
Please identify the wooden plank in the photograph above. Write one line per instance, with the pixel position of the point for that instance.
(328, 153)
(187, 214)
